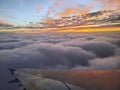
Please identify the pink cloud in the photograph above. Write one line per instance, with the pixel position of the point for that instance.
(38, 8)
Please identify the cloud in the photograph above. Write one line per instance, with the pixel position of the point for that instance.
(65, 9)
(62, 8)
(116, 42)
(22, 2)
(60, 50)
(101, 49)
(69, 11)
(106, 63)
(49, 56)
(109, 4)
(58, 3)
(4, 24)
(78, 9)
(49, 20)
(82, 51)
(110, 63)
(12, 44)
(7, 17)
(55, 6)
(8, 10)
(38, 8)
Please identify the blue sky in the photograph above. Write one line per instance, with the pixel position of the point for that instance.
(20, 12)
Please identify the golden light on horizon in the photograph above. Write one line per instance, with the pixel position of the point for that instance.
(112, 29)
(64, 30)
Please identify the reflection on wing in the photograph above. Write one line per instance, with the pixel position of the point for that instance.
(36, 79)
(39, 82)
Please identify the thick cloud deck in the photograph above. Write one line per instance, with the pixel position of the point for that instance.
(61, 51)
(82, 51)
(101, 49)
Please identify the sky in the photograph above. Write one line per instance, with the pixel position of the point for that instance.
(20, 12)
(78, 51)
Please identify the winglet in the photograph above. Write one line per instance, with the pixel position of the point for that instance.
(11, 70)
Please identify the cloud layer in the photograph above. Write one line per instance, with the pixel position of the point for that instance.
(61, 51)
(76, 51)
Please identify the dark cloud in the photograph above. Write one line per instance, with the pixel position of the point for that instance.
(69, 56)
(116, 42)
(8, 41)
(90, 38)
(12, 44)
(101, 49)
(49, 56)
(94, 14)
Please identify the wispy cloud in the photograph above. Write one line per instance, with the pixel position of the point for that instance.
(63, 8)
(21, 2)
(38, 8)
(109, 4)
(6, 17)
(8, 10)
(4, 23)
(48, 20)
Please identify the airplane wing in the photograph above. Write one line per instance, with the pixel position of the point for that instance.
(37, 79)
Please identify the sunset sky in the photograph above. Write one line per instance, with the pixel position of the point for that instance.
(20, 12)
(59, 35)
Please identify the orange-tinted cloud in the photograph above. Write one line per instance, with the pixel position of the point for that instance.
(59, 2)
(75, 11)
(69, 11)
(66, 8)
(106, 5)
(5, 23)
(54, 6)
(48, 20)
(77, 8)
